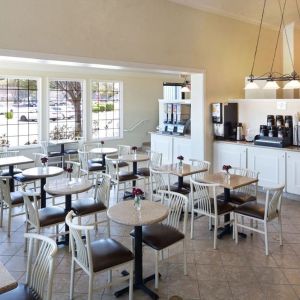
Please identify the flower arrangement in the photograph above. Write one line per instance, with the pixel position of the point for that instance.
(69, 170)
(227, 168)
(102, 143)
(134, 148)
(44, 160)
(137, 193)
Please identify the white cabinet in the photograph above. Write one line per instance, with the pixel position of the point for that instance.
(293, 172)
(163, 144)
(270, 163)
(229, 154)
(181, 146)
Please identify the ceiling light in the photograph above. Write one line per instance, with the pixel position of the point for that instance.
(271, 85)
(293, 84)
(251, 86)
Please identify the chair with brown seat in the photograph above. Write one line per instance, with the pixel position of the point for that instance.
(40, 271)
(163, 235)
(97, 256)
(120, 177)
(204, 205)
(245, 193)
(39, 218)
(9, 200)
(97, 204)
(262, 213)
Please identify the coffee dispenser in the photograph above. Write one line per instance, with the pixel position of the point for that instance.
(225, 119)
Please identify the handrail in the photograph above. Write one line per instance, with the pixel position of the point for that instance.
(137, 124)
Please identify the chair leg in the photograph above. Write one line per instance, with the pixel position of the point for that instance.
(266, 237)
(209, 223)
(235, 229)
(1, 216)
(72, 279)
(192, 223)
(91, 279)
(156, 268)
(215, 233)
(26, 230)
(280, 230)
(96, 220)
(9, 221)
(108, 226)
(131, 281)
(251, 225)
(184, 259)
(109, 276)
(117, 192)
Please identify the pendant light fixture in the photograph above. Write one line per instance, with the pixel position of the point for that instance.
(272, 77)
(186, 86)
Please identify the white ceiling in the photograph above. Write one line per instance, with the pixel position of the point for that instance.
(247, 10)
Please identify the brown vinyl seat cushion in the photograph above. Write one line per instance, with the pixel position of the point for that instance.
(159, 236)
(51, 215)
(251, 209)
(87, 206)
(121, 164)
(21, 292)
(143, 172)
(94, 166)
(124, 176)
(222, 207)
(183, 191)
(107, 253)
(17, 198)
(238, 198)
(71, 151)
(5, 172)
(54, 153)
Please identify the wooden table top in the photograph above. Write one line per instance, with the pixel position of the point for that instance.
(14, 160)
(7, 282)
(64, 186)
(232, 182)
(133, 157)
(104, 150)
(185, 170)
(125, 213)
(43, 172)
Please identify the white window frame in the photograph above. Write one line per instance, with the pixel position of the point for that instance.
(39, 107)
(121, 135)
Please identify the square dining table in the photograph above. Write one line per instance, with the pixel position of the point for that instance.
(7, 281)
(12, 161)
(228, 182)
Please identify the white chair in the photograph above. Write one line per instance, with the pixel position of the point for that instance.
(9, 153)
(97, 256)
(97, 204)
(262, 213)
(202, 204)
(120, 177)
(159, 181)
(9, 201)
(123, 150)
(38, 218)
(55, 157)
(160, 236)
(40, 271)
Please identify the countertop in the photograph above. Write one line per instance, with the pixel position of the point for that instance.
(187, 136)
(251, 144)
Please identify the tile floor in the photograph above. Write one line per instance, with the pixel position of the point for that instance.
(232, 272)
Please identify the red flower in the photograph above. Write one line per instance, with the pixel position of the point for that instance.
(69, 170)
(44, 159)
(134, 148)
(180, 157)
(226, 168)
(137, 192)
(102, 142)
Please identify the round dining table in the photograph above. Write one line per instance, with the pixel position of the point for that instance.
(126, 214)
(42, 173)
(103, 151)
(67, 187)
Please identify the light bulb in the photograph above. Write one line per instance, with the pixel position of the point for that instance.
(251, 86)
(293, 84)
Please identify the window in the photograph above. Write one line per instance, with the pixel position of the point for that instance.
(106, 109)
(18, 111)
(65, 109)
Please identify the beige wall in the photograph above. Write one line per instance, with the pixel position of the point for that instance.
(144, 31)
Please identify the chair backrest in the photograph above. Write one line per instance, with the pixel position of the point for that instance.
(203, 164)
(273, 202)
(250, 189)
(37, 159)
(124, 149)
(112, 167)
(81, 141)
(102, 189)
(159, 181)
(88, 146)
(5, 190)
(31, 207)
(155, 159)
(83, 160)
(81, 252)
(9, 153)
(40, 270)
(177, 203)
(200, 197)
(76, 167)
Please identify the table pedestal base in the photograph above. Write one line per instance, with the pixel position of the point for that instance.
(140, 286)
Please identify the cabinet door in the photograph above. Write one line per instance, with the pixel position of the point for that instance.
(163, 144)
(229, 154)
(293, 172)
(182, 147)
(270, 163)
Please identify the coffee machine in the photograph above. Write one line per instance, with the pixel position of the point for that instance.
(225, 120)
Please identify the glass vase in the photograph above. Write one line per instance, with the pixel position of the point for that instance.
(137, 202)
